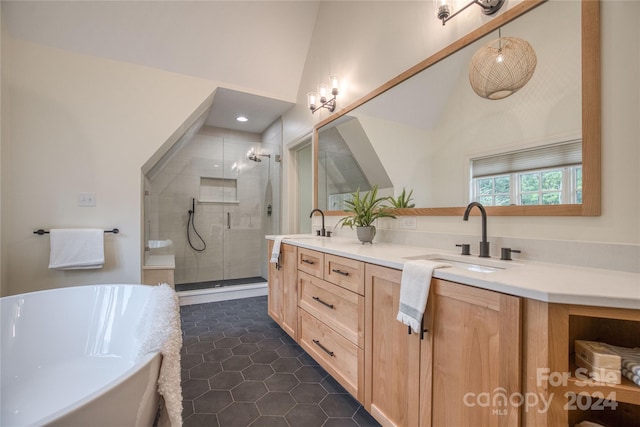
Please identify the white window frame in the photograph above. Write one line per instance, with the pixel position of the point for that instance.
(568, 188)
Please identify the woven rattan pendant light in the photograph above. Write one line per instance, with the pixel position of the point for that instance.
(502, 67)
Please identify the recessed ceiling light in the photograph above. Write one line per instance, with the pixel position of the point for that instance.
(242, 119)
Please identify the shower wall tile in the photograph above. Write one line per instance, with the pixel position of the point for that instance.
(173, 188)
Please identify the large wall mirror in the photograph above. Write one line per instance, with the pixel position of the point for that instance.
(428, 132)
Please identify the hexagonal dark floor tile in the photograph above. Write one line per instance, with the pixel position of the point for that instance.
(238, 415)
(281, 382)
(289, 350)
(244, 349)
(270, 344)
(205, 370)
(249, 391)
(307, 360)
(332, 386)
(306, 415)
(189, 361)
(309, 393)
(340, 422)
(364, 419)
(211, 336)
(311, 374)
(218, 355)
(270, 421)
(235, 331)
(286, 364)
(194, 388)
(200, 348)
(228, 342)
(264, 356)
(275, 403)
(225, 380)
(339, 405)
(252, 337)
(257, 372)
(201, 420)
(236, 363)
(212, 402)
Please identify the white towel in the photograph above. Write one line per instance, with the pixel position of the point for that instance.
(414, 291)
(630, 360)
(275, 252)
(76, 248)
(160, 326)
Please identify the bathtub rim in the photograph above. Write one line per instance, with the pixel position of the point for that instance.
(142, 362)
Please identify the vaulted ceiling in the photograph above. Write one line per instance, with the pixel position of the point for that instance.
(255, 49)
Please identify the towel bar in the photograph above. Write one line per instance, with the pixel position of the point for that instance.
(40, 232)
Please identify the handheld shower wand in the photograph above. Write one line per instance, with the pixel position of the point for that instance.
(191, 224)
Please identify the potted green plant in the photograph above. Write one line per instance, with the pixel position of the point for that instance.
(363, 211)
(403, 200)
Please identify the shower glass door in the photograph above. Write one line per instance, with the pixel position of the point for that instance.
(245, 208)
(226, 201)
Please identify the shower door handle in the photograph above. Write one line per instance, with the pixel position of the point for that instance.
(228, 220)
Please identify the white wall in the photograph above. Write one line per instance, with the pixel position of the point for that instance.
(406, 33)
(75, 123)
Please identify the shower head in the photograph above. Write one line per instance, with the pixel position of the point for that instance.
(256, 157)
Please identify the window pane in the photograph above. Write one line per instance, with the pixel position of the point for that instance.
(552, 180)
(503, 200)
(503, 184)
(579, 196)
(530, 182)
(530, 199)
(485, 185)
(486, 200)
(551, 198)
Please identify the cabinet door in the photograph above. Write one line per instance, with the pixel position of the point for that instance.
(392, 356)
(274, 298)
(476, 356)
(289, 320)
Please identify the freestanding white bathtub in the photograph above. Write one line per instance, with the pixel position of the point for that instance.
(70, 357)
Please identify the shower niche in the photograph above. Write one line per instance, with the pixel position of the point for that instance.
(211, 199)
(218, 190)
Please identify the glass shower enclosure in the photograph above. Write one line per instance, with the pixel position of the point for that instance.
(215, 200)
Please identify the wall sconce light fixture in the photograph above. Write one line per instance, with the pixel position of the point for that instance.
(444, 8)
(321, 96)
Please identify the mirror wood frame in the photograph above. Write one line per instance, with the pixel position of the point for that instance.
(591, 117)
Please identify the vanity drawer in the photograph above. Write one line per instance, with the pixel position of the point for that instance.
(344, 272)
(339, 356)
(339, 308)
(310, 261)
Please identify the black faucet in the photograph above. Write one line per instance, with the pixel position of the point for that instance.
(322, 231)
(484, 245)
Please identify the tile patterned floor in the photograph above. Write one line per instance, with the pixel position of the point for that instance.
(240, 369)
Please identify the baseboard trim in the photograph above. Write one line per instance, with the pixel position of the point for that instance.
(202, 296)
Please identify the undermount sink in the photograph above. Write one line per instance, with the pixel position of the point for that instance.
(468, 262)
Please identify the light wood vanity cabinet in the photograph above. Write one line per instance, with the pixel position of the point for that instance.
(471, 346)
(480, 348)
(331, 315)
(282, 303)
(549, 369)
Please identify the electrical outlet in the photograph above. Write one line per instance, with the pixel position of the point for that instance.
(87, 199)
(409, 223)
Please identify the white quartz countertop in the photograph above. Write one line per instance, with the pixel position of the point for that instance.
(547, 282)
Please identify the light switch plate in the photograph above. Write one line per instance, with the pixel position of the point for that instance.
(87, 199)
